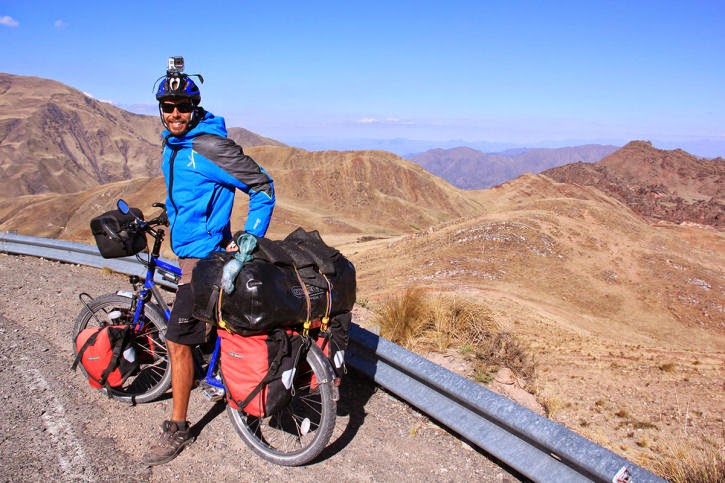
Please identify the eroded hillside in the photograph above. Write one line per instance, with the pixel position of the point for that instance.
(343, 194)
(56, 139)
(658, 184)
(53, 138)
(625, 320)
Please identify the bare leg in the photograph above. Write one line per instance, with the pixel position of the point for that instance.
(182, 378)
(176, 433)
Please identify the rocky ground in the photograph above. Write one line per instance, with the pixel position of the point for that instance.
(54, 426)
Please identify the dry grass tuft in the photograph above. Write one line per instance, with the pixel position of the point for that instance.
(419, 321)
(550, 403)
(400, 318)
(684, 465)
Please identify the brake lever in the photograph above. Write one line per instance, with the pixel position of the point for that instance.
(162, 219)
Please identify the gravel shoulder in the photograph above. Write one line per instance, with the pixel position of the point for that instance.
(54, 425)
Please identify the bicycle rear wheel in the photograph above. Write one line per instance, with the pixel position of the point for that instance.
(297, 433)
(153, 378)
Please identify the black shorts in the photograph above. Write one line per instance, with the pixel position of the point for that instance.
(183, 328)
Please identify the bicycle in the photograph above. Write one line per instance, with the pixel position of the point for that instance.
(292, 436)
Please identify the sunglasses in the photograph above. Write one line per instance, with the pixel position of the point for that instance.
(183, 107)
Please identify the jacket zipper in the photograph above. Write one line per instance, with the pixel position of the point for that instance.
(174, 152)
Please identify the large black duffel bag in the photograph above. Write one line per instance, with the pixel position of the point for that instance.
(286, 282)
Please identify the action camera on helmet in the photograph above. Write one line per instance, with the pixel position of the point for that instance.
(176, 66)
(178, 84)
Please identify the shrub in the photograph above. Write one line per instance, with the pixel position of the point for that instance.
(400, 318)
(419, 321)
(687, 465)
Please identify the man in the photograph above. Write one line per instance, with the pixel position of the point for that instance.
(203, 168)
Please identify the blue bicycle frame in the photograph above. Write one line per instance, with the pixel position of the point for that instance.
(150, 288)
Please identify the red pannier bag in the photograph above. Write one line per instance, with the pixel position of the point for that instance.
(106, 354)
(258, 370)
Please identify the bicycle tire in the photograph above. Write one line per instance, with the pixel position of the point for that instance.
(153, 378)
(297, 433)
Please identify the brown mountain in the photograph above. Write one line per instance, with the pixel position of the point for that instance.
(54, 138)
(661, 185)
(363, 191)
(247, 138)
(469, 168)
(344, 193)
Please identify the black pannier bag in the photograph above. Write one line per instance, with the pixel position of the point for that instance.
(116, 235)
(287, 282)
(334, 339)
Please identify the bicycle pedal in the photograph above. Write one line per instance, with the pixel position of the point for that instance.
(210, 392)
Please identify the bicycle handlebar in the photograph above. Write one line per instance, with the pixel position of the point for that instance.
(162, 219)
(148, 226)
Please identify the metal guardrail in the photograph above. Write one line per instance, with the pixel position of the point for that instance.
(534, 446)
(79, 253)
(537, 448)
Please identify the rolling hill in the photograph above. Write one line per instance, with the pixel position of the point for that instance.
(355, 194)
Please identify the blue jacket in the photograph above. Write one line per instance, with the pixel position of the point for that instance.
(202, 170)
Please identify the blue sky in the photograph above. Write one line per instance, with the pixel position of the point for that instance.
(507, 72)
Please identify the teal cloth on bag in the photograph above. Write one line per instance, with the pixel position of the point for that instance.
(246, 243)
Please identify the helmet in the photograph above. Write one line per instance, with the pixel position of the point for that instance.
(178, 86)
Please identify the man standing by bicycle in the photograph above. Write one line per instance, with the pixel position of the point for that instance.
(203, 169)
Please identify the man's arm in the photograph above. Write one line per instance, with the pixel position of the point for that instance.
(250, 177)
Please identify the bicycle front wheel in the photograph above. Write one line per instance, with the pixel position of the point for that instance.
(153, 378)
(297, 433)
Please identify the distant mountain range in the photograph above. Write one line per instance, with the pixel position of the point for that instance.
(407, 148)
(469, 168)
(403, 147)
(63, 141)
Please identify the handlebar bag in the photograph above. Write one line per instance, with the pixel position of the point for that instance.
(117, 235)
(106, 354)
(258, 370)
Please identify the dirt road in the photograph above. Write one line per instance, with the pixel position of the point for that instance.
(54, 426)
